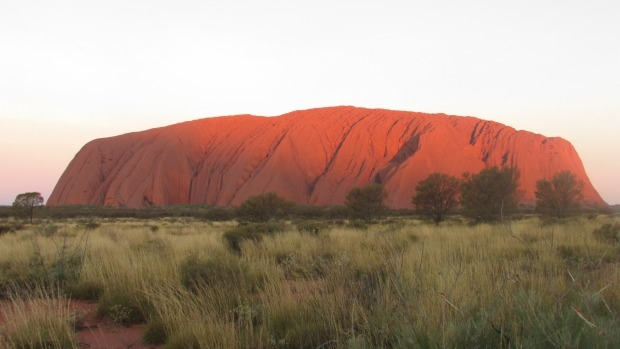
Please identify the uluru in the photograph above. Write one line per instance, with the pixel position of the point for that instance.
(310, 157)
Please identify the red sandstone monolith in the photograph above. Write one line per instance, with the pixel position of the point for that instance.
(310, 157)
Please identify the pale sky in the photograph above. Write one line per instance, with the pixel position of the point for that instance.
(73, 71)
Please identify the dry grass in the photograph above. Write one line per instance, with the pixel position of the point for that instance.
(40, 319)
(397, 285)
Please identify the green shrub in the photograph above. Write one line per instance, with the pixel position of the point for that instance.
(264, 207)
(394, 225)
(560, 195)
(195, 272)
(367, 283)
(296, 266)
(308, 212)
(357, 224)
(13, 275)
(63, 270)
(91, 225)
(491, 194)
(236, 236)
(367, 203)
(86, 290)
(10, 228)
(251, 232)
(608, 233)
(220, 214)
(248, 315)
(312, 334)
(299, 326)
(219, 272)
(121, 308)
(5, 228)
(311, 226)
(155, 333)
(183, 340)
(47, 229)
(572, 255)
(152, 245)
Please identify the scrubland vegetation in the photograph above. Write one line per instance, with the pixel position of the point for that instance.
(395, 283)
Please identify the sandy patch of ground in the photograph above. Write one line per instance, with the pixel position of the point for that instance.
(96, 333)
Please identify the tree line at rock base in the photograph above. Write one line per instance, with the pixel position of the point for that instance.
(491, 195)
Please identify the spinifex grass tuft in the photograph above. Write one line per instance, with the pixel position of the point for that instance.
(38, 320)
(400, 284)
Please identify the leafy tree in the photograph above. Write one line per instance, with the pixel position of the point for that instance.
(436, 195)
(488, 194)
(264, 207)
(367, 202)
(28, 201)
(560, 195)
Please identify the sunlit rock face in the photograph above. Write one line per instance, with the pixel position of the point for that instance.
(310, 157)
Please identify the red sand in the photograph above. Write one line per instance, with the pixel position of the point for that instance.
(310, 157)
(97, 333)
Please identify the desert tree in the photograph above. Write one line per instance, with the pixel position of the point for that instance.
(490, 193)
(560, 195)
(264, 207)
(367, 202)
(436, 195)
(28, 201)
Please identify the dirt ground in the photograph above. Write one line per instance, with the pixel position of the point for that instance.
(96, 333)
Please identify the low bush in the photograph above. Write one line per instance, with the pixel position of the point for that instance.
(10, 228)
(91, 225)
(308, 212)
(195, 272)
(299, 326)
(311, 226)
(264, 208)
(13, 275)
(367, 283)
(152, 244)
(155, 333)
(64, 269)
(217, 214)
(251, 232)
(320, 212)
(571, 255)
(608, 233)
(5, 228)
(357, 224)
(47, 229)
(219, 272)
(182, 340)
(85, 290)
(121, 308)
(297, 266)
